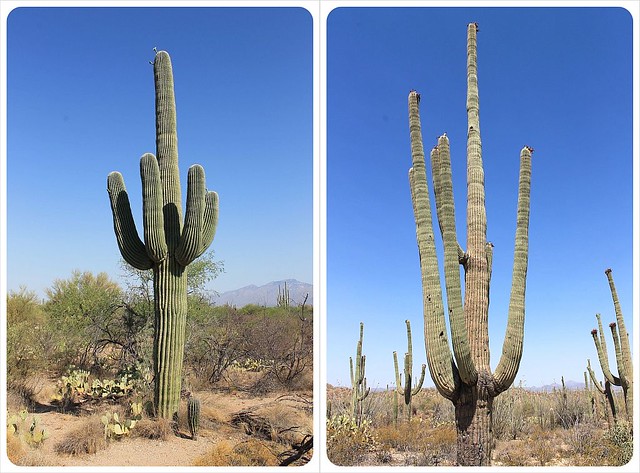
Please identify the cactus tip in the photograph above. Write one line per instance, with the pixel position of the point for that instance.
(612, 325)
(607, 271)
(594, 332)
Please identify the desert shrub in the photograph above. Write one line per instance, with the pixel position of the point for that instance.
(152, 429)
(29, 345)
(511, 453)
(86, 438)
(620, 440)
(249, 453)
(570, 407)
(347, 442)
(541, 445)
(429, 446)
(510, 415)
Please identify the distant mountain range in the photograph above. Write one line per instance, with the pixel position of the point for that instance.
(267, 295)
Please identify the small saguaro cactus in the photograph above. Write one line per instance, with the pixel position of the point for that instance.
(170, 244)
(465, 376)
(622, 349)
(193, 416)
(359, 389)
(409, 390)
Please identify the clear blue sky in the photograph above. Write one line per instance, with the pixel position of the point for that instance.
(81, 104)
(557, 79)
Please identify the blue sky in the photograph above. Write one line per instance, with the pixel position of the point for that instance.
(81, 104)
(556, 79)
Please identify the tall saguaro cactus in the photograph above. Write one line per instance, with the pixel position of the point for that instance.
(409, 390)
(359, 389)
(622, 349)
(170, 244)
(465, 377)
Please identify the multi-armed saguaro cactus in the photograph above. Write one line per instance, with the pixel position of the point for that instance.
(623, 352)
(359, 389)
(468, 381)
(408, 391)
(605, 391)
(169, 245)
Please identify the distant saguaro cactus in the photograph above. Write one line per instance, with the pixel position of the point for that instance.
(169, 245)
(359, 389)
(623, 352)
(465, 377)
(409, 389)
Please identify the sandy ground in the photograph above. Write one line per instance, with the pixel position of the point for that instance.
(176, 450)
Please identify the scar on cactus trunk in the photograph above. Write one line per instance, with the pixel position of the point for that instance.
(170, 243)
(464, 376)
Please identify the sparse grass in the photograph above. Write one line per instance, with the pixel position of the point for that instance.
(249, 453)
(152, 429)
(86, 438)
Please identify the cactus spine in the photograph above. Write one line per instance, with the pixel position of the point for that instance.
(622, 349)
(465, 376)
(169, 244)
(359, 389)
(408, 391)
(193, 416)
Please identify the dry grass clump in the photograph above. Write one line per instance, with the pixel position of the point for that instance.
(152, 429)
(15, 449)
(249, 453)
(86, 438)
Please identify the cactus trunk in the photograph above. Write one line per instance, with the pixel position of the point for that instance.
(464, 376)
(170, 291)
(170, 243)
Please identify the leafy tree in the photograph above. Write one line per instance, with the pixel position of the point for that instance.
(28, 341)
(90, 314)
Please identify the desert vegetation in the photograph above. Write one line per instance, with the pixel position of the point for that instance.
(80, 377)
(562, 427)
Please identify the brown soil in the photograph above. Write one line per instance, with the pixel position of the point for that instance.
(218, 410)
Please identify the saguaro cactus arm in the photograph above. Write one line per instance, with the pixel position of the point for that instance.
(445, 210)
(594, 380)
(624, 363)
(154, 237)
(601, 348)
(512, 346)
(131, 247)
(439, 357)
(197, 227)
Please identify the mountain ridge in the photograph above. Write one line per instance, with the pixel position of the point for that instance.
(267, 294)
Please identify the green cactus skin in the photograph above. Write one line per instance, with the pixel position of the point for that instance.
(193, 416)
(408, 391)
(169, 245)
(622, 350)
(359, 389)
(465, 376)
